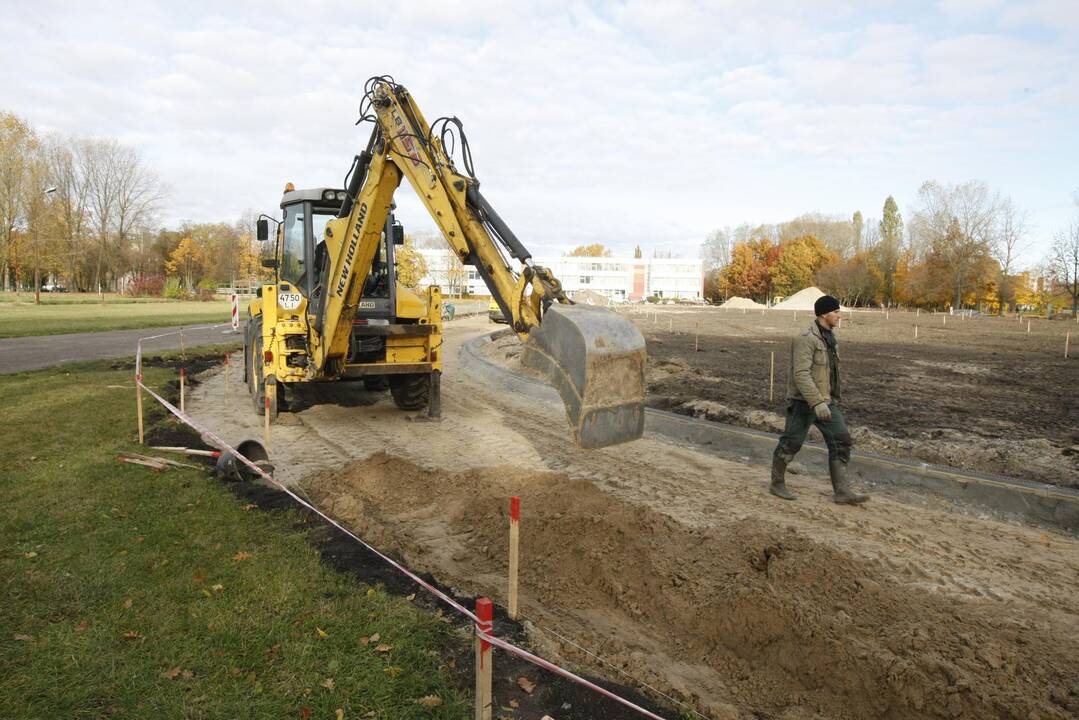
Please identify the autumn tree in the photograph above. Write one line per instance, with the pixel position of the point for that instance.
(68, 174)
(885, 253)
(797, 262)
(188, 260)
(857, 231)
(748, 272)
(16, 144)
(411, 266)
(593, 250)
(957, 224)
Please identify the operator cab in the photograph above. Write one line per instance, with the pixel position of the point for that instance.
(303, 226)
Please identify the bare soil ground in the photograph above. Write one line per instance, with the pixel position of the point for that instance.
(977, 393)
(675, 567)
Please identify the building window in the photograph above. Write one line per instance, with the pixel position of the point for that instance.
(586, 279)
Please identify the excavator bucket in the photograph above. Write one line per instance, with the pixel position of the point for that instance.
(595, 359)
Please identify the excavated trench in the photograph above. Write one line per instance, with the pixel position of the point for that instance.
(740, 619)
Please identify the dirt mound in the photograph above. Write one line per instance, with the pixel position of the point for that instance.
(801, 300)
(741, 618)
(591, 297)
(737, 303)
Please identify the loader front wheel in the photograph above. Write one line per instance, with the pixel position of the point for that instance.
(410, 392)
(255, 382)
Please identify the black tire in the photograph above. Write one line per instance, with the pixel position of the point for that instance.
(410, 392)
(376, 383)
(256, 384)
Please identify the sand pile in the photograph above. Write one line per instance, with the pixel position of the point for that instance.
(738, 303)
(591, 297)
(801, 300)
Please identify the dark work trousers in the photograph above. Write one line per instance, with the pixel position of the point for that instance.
(800, 416)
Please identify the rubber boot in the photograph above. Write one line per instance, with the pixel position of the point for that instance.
(841, 486)
(778, 486)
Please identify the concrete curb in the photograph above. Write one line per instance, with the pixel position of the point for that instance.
(920, 483)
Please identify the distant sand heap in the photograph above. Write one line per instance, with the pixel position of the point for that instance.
(590, 297)
(740, 302)
(801, 300)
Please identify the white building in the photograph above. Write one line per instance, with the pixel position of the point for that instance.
(619, 278)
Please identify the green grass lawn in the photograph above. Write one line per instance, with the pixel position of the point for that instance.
(135, 594)
(69, 313)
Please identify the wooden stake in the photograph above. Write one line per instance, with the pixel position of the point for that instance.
(918, 312)
(670, 325)
(483, 660)
(1028, 326)
(696, 337)
(915, 332)
(515, 537)
(138, 406)
(1067, 339)
(943, 319)
(266, 424)
(183, 374)
(772, 377)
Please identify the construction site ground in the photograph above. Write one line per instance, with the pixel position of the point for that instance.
(676, 567)
(978, 393)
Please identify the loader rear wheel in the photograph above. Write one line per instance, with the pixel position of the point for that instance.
(410, 392)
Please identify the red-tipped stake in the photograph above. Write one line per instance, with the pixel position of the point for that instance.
(483, 660)
(266, 425)
(515, 537)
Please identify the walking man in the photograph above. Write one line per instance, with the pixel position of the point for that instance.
(813, 399)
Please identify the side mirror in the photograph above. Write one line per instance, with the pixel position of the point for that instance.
(269, 263)
(262, 231)
(398, 235)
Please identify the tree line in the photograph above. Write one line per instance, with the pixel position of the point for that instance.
(83, 214)
(958, 248)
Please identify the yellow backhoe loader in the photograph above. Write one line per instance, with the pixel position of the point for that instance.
(336, 311)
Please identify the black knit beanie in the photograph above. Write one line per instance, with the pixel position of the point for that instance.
(825, 304)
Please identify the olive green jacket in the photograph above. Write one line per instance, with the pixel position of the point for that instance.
(809, 377)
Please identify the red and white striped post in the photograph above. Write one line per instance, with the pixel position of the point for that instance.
(235, 300)
(483, 659)
(515, 537)
(183, 375)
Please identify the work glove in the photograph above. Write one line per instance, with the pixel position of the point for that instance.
(824, 413)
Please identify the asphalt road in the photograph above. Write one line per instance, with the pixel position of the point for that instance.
(33, 353)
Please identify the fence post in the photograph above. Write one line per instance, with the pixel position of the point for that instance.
(515, 538)
(138, 404)
(772, 377)
(483, 660)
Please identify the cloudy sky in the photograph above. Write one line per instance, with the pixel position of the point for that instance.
(640, 122)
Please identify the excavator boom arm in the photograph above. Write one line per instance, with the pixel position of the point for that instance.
(594, 358)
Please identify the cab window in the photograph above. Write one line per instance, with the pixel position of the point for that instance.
(293, 267)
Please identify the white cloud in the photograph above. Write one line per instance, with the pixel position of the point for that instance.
(620, 122)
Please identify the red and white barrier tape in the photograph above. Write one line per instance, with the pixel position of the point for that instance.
(480, 633)
(221, 443)
(551, 667)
